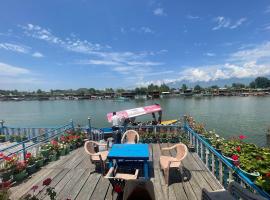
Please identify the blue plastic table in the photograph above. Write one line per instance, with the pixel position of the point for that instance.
(130, 152)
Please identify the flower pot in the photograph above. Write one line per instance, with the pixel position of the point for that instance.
(52, 157)
(6, 174)
(31, 169)
(67, 150)
(39, 163)
(20, 176)
(63, 152)
(251, 176)
(45, 152)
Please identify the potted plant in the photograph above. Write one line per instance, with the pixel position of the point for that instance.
(62, 149)
(20, 171)
(263, 181)
(45, 150)
(39, 160)
(2, 138)
(53, 156)
(31, 163)
(12, 138)
(9, 166)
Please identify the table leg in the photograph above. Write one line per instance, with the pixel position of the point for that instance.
(145, 169)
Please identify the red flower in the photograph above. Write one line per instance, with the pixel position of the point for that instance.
(241, 137)
(1, 155)
(54, 142)
(268, 175)
(34, 188)
(235, 157)
(47, 181)
(238, 148)
(117, 189)
(6, 184)
(7, 158)
(63, 139)
(28, 155)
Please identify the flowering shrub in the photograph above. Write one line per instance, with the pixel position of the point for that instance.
(248, 157)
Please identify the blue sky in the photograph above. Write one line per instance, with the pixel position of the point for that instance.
(123, 44)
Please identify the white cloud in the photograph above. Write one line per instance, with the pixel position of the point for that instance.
(223, 22)
(210, 54)
(146, 30)
(9, 70)
(97, 62)
(72, 44)
(14, 47)
(159, 12)
(256, 53)
(252, 62)
(192, 17)
(38, 55)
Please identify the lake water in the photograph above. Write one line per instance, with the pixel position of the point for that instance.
(229, 116)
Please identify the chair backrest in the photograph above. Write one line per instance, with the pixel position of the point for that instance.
(181, 151)
(139, 189)
(237, 191)
(130, 137)
(90, 147)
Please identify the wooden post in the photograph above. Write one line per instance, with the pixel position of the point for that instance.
(268, 137)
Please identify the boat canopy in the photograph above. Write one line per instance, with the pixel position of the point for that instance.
(136, 112)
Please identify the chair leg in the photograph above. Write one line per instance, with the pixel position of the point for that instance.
(166, 176)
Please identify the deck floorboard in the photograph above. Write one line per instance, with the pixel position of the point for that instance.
(73, 177)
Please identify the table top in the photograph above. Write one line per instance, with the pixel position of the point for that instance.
(129, 151)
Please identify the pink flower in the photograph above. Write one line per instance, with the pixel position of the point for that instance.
(34, 188)
(238, 148)
(235, 157)
(1, 154)
(241, 137)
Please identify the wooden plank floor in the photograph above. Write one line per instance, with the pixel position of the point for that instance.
(73, 177)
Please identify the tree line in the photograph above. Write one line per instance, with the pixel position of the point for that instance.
(259, 82)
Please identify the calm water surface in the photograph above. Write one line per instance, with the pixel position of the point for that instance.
(229, 116)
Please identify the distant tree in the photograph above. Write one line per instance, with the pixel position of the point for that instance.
(184, 87)
(152, 88)
(262, 82)
(252, 84)
(92, 90)
(238, 85)
(141, 90)
(109, 90)
(164, 88)
(120, 90)
(197, 88)
(39, 91)
(214, 87)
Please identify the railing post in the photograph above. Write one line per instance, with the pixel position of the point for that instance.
(72, 124)
(89, 127)
(268, 137)
(2, 126)
(24, 151)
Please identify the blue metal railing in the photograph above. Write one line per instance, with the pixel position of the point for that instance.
(200, 143)
(36, 141)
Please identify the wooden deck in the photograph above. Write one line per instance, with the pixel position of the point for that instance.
(73, 177)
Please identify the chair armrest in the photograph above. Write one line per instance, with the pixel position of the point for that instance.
(168, 148)
(110, 173)
(136, 173)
